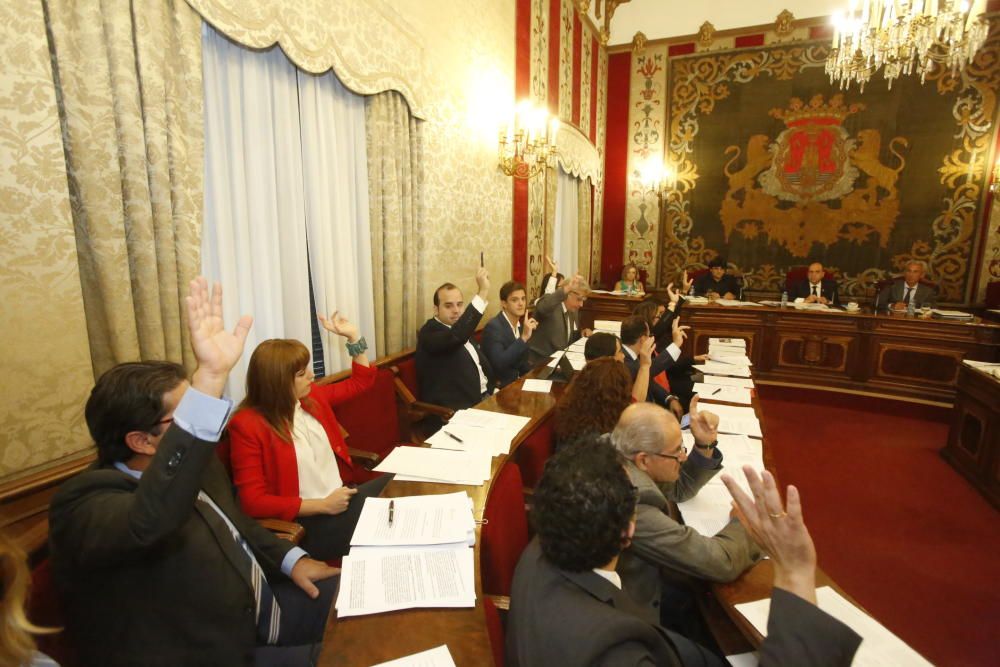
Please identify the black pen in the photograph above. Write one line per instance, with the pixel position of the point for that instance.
(716, 391)
(392, 510)
(454, 437)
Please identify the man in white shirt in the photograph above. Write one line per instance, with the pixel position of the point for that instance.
(505, 339)
(451, 368)
(898, 295)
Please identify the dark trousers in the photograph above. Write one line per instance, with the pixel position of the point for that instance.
(328, 536)
(303, 622)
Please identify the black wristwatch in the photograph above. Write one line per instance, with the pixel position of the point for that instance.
(710, 446)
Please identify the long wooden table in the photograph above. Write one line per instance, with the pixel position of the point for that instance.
(880, 354)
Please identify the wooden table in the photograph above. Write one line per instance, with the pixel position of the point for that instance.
(882, 354)
(973, 447)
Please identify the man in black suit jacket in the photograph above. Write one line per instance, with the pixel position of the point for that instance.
(505, 339)
(558, 319)
(451, 368)
(567, 603)
(670, 361)
(149, 547)
(815, 288)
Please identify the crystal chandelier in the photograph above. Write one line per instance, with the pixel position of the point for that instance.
(903, 37)
(528, 145)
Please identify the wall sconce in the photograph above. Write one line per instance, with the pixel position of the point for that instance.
(528, 145)
(657, 178)
(995, 181)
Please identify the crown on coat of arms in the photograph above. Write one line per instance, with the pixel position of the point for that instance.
(798, 112)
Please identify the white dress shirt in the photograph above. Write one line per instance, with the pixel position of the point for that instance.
(479, 304)
(611, 576)
(319, 475)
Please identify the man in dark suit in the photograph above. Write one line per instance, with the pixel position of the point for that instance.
(717, 283)
(815, 288)
(898, 295)
(567, 603)
(451, 368)
(156, 562)
(558, 319)
(505, 339)
(677, 367)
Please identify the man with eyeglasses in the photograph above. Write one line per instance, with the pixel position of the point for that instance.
(664, 551)
(557, 315)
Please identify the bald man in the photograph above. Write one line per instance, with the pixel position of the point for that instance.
(659, 466)
(815, 288)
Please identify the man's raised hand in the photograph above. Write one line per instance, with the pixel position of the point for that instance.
(216, 349)
(678, 332)
(483, 282)
(530, 324)
(704, 424)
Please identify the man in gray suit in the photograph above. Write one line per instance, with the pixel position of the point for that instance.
(569, 607)
(898, 295)
(557, 315)
(658, 464)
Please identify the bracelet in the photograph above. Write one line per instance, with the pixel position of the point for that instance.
(710, 446)
(354, 349)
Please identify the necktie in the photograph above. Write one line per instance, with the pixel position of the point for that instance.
(569, 329)
(266, 609)
(816, 290)
(906, 299)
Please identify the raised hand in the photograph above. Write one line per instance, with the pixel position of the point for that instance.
(704, 424)
(678, 332)
(341, 326)
(483, 282)
(780, 532)
(646, 348)
(528, 328)
(553, 267)
(216, 349)
(686, 283)
(675, 296)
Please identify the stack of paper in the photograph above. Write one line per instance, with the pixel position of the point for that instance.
(479, 431)
(416, 521)
(735, 302)
(578, 345)
(982, 365)
(696, 299)
(708, 511)
(714, 367)
(879, 646)
(576, 359)
(718, 392)
(746, 383)
(738, 420)
(424, 464)
(608, 326)
(435, 657)
(801, 305)
(738, 344)
(374, 580)
(951, 314)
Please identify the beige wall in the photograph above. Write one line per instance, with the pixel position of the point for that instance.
(45, 371)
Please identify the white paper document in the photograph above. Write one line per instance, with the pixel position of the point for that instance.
(746, 383)
(738, 343)
(730, 359)
(879, 648)
(416, 520)
(718, 392)
(719, 368)
(708, 511)
(576, 361)
(489, 419)
(951, 314)
(540, 386)
(737, 420)
(373, 581)
(735, 302)
(696, 299)
(578, 345)
(609, 326)
(426, 464)
(435, 657)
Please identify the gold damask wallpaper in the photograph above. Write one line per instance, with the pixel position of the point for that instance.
(777, 167)
(44, 355)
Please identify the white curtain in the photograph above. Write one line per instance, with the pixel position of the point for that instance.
(285, 170)
(566, 234)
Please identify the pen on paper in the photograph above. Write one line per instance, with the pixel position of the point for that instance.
(392, 510)
(454, 437)
(716, 391)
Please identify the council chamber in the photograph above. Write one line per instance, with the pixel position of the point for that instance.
(500, 332)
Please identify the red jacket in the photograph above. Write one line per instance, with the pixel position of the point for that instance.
(265, 469)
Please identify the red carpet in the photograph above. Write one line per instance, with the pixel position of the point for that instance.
(894, 525)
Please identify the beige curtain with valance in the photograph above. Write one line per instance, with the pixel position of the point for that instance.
(585, 220)
(128, 81)
(395, 191)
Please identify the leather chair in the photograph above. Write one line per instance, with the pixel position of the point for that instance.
(44, 608)
(504, 533)
(534, 452)
(494, 628)
(418, 425)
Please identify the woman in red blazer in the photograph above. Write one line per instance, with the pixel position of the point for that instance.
(288, 455)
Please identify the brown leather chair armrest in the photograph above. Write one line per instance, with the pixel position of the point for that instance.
(286, 530)
(430, 408)
(365, 459)
(502, 602)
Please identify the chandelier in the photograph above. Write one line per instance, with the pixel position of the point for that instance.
(903, 37)
(528, 145)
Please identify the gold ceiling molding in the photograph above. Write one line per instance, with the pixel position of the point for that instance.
(639, 42)
(365, 42)
(706, 34)
(609, 11)
(784, 24)
(576, 155)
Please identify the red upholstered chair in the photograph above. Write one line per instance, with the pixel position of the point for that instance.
(505, 530)
(45, 609)
(993, 294)
(494, 628)
(371, 421)
(417, 411)
(800, 273)
(534, 452)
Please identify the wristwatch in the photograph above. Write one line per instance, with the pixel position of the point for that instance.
(710, 446)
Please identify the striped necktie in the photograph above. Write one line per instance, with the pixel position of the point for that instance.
(266, 609)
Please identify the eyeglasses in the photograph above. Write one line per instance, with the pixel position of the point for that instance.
(676, 457)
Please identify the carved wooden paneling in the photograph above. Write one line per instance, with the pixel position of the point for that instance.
(913, 362)
(974, 438)
(814, 351)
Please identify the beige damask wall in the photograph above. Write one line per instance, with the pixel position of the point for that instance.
(45, 370)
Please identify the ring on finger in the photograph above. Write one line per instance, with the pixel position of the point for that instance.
(777, 515)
